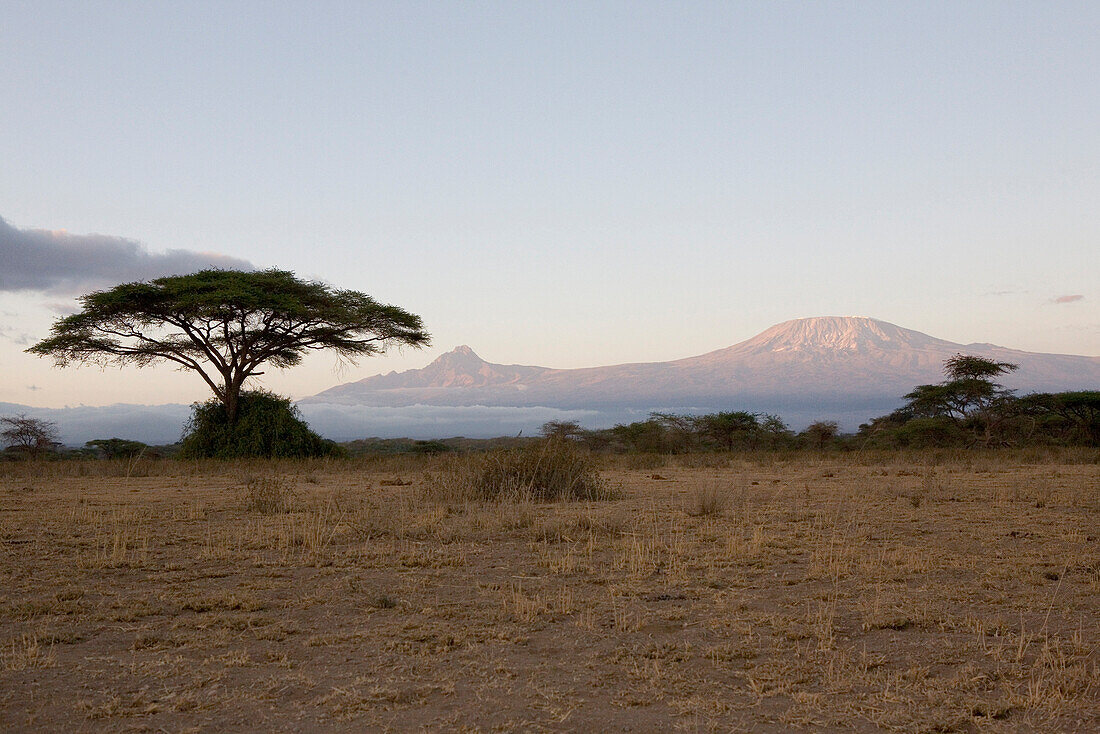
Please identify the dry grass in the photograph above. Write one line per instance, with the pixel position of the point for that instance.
(707, 499)
(920, 592)
(551, 470)
(269, 495)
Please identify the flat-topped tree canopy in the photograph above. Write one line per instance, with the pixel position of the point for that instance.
(225, 324)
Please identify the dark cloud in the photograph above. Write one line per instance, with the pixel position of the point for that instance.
(1068, 299)
(63, 263)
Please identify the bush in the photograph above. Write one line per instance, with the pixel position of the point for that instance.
(926, 433)
(118, 448)
(553, 469)
(267, 426)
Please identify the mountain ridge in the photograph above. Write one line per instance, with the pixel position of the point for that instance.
(820, 359)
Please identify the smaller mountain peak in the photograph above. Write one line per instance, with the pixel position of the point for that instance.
(460, 357)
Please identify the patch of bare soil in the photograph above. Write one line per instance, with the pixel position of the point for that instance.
(814, 594)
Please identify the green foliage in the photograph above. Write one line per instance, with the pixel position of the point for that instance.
(118, 448)
(1065, 417)
(970, 409)
(267, 426)
(730, 429)
(968, 391)
(969, 367)
(820, 434)
(670, 433)
(649, 436)
(969, 398)
(225, 324)
(550, 470)
(430, 448)
(562, 429)
(924, 433)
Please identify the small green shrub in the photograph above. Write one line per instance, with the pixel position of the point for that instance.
(267, 426)
(550, 470)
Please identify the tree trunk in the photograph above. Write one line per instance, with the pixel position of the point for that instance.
(234, 380)
(232, 400)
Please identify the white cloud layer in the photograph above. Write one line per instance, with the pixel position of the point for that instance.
(64, 264)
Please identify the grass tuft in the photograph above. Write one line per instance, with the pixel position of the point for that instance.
(549, 471)
(706, 500)
(269, 495)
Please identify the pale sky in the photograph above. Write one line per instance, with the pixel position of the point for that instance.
(561, 184)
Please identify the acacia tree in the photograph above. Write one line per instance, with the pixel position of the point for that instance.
(730, 429)
(562, 430)
(225, 324)
(821, 433)
(969, 389)
(30, 436)
(1073, 415)
(969, 402)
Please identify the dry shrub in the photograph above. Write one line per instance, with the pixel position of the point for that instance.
(704, 461)
(706, 500)
(644, 461)
(547, 471)
(269, 495)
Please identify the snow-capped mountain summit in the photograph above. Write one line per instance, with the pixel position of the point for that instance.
(854, 333)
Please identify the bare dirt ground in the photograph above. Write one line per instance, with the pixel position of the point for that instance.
(733, 595)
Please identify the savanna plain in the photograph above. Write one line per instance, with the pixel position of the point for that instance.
(914, 592)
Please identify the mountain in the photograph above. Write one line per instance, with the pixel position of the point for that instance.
(844, 368)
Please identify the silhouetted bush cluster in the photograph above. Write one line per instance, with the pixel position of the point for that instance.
(267, 426)
(970, 408)
(670, 433)
(120, 448)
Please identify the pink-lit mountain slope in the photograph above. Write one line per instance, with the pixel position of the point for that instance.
(800, 365)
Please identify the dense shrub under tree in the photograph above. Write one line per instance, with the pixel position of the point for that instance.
(267, 426)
